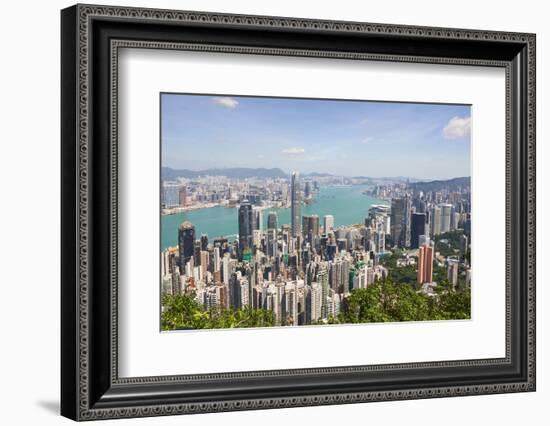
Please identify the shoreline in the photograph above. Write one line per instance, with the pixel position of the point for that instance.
(226, 204)
(178, 210)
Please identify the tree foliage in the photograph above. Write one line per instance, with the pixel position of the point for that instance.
(448, 243)
(386, 301)
(183, 312)
(382, 301)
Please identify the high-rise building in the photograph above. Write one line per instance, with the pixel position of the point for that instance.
(468, 278)
(271, 243)
(380, 241)
(246, 226)
(435, 221)
(290, 304)
(204, 242)
(176, 283)
(170, 194)
(360, 278)
(165, 263)
(183, 196)
(452, 272)
(258, 219)
(235, 290)
(425, 264)
(418, 228)
(381, 213)
(463, 244)
(401, 221)
(217, 259)
(322, 279)
(328, 223)
(246, 296)
(256, 238)
(445, 217)
(166, 285)
(316, 294)
(228, 268)
(310, 227)
(307, 189)
(272, 220)
(455, 220)
(205, 261)
(295, 205)
(186, 243)
(333, 308)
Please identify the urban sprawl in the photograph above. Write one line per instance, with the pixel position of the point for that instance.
(304, 271)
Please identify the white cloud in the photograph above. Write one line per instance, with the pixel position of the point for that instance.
(226, 102)
(367, 140)
(457, 128)
(294, 151)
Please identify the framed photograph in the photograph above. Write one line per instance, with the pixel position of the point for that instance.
(263, 212)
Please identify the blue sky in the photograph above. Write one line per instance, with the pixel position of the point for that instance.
(350, 138)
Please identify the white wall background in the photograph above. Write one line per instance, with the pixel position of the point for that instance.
(29, 239)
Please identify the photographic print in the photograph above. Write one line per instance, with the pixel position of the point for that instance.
(282, 212)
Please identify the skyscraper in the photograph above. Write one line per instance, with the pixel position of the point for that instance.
(205, 261)
(258, 219)
(380, 241)
(186, 243)
(295, 205)
(307, 190)
(271, 242)
(401, 221)
(463, 244)
(328, 223)
(452, 272)
(246, 226)
(445, 217)
(272, 220)
(425, 264)
(170, 194)
(418, 228)
(217, 259)
(436, 221)
(310, 227)
(204, 242)
(183, 196)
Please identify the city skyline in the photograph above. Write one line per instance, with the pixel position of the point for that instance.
(339, 137)
(413, 251)
(318, 238)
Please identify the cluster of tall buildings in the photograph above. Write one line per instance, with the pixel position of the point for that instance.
(411, 222)
(185, 193)
(418, 217)
(303, 271)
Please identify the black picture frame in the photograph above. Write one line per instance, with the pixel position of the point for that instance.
(90, 386)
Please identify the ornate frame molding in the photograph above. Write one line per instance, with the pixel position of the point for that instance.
(81, 18)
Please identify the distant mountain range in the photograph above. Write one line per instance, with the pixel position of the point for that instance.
(437, 185)
(168, 173)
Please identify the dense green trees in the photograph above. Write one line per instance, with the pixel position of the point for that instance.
(183, 312)
(386, 301)
(448, 243)
(383, 301)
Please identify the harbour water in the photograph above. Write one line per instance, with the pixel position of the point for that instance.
(347, 204)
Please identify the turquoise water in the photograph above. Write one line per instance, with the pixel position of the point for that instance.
(346, 203)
